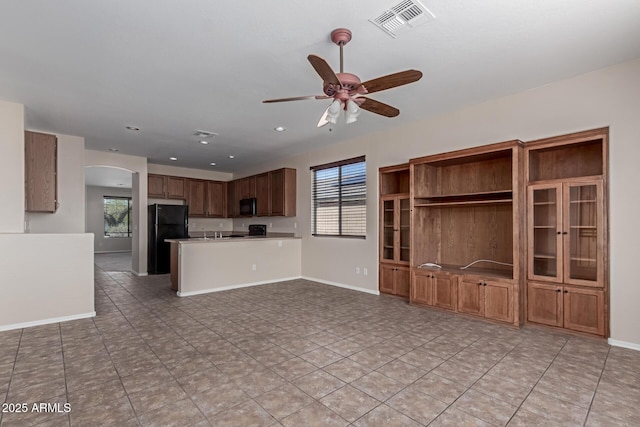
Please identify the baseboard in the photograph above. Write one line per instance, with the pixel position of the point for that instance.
(342, 285)
(624, 344)
(139, 274)
(111, 252)
(47, 321)
(242, 285)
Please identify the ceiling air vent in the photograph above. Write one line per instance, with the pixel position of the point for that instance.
(404, 15)
(204, 134)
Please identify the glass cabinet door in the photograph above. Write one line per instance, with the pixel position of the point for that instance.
(404, 230)
(388, 229)
(582, 233)
(545, 243)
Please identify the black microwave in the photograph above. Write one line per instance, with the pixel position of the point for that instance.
(248, 207)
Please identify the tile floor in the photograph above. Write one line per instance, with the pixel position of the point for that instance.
(304, 354)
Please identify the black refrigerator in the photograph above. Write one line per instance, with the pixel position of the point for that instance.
(165, 222)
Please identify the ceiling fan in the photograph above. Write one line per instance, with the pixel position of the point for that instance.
(346, 89)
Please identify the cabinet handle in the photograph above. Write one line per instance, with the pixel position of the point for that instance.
(558, 290)
(559, 232)
(564, 232)
(566, 292)
(485, 284)
(479, 283)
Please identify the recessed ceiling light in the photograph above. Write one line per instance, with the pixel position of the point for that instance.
(113, 149)
(204, 142)
(205, 134)
(232, 157)
(133, 128)
(279, 129)
(212, 163)
(173, 159)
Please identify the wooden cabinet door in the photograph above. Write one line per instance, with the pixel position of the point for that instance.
(498, 301)
(386, 278)
(176, 188)
(421, 285)
(41, 164)
(277, 192)
(444, 291)
(197, 197)
(583, 233)
(471, 296)
(545, 252)
(232, 201)
(246, 187)
(263, 194)
(156, 186)
(216, 199)
(584, 310)
(401, 281)
(544, 304)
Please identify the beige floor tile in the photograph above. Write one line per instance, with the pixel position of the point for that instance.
(418, 406)
(385, 416)
(349, 402)
(284, 400)
(314, 415)
(248, 413)
(318, 384)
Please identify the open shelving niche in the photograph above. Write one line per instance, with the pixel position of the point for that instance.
(466, 206)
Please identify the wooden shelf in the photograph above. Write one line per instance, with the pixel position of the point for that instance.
(545, 256)
(467, 203)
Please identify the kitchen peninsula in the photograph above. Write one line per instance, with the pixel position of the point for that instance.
(204, 265)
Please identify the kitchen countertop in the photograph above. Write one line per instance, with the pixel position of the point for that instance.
(226, 239)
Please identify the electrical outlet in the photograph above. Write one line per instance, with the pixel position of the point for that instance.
(270, 225)
(254, 267)
(279, 243)
(295, 225)
(357, 270)
(220, 225)
(364, 271)
(243, 225)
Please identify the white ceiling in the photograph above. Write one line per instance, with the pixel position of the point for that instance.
(102, 176)
(90, 68)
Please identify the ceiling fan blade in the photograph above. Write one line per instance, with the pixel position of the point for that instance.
(296, 98)
(324, 70)
(391, 80)
(323, 120)
(378, 107)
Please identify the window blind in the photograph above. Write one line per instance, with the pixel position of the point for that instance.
(338, 199)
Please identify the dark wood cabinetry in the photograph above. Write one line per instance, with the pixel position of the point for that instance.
(275, 193)
(282, 192)
(263, 194)
(166, 187)
(41, 172)
(486, 298)
(216, 199)
(196, 197)
(433, 288)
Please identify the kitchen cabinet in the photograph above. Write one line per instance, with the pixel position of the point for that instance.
(282, 192)
(246, 187)
(233, 203)
(196, 197)
(569, 307)
(156, 186)
(166, 187)
(395, 280)
(216, 199)
(263, 194)
(437, 289)
(41, 172)
(486, 298)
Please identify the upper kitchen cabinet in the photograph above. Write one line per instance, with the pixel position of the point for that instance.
(216, 199)
(263, 194)
(166, 187)
(41, 183)
(246, 187)
(232, 201)
(283, 192)
(196, 197)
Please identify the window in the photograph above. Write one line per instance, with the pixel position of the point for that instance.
(117, 216)
(338, 199)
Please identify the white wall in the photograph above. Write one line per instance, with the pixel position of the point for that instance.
(189, 173)
(608, 97)
(137, 165)
(12, 167)
(69, 217)
(46, 278)
(95, 219)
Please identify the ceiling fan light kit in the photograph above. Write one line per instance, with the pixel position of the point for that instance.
(347, 90)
